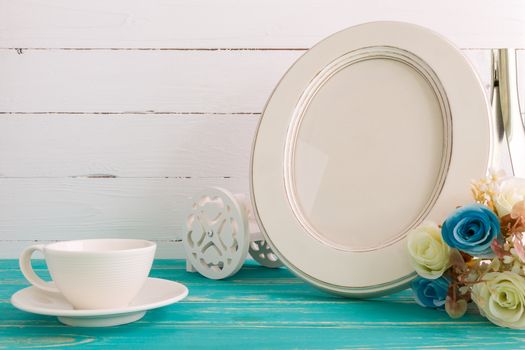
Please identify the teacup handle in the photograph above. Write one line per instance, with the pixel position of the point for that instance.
(29, 273)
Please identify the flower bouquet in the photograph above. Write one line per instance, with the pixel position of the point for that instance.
(477, 255)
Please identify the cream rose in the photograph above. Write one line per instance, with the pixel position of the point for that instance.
(430, 256)
(501, 298)
(510, 191)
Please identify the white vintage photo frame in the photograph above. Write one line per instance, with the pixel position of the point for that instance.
(333, 191)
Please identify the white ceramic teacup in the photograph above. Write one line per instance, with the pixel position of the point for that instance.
(93, 273)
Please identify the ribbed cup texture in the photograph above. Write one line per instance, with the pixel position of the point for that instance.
(100, 280)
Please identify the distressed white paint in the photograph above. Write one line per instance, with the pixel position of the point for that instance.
(246, 23)
(127, 145)
(164, 97)
(140, 81)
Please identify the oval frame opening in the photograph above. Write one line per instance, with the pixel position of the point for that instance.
(315, 85)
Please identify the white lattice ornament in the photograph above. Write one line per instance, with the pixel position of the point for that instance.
(220, 232)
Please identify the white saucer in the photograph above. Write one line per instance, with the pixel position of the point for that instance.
(155, 293)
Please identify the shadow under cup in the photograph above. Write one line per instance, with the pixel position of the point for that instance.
(96, 273)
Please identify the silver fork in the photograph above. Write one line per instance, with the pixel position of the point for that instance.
(509, 150)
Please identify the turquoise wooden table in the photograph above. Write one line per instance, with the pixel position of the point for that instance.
(258, 308)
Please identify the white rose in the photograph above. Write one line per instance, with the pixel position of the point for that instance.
(501, 298)
(430, 256)
(510, 191)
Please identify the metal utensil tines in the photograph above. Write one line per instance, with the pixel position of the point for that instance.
(509, 150)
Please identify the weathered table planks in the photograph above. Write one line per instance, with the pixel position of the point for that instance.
(258, 308)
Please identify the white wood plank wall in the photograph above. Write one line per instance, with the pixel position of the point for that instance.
(112, 113)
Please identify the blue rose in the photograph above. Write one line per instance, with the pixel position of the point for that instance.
(431, 293)
(472, 229)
